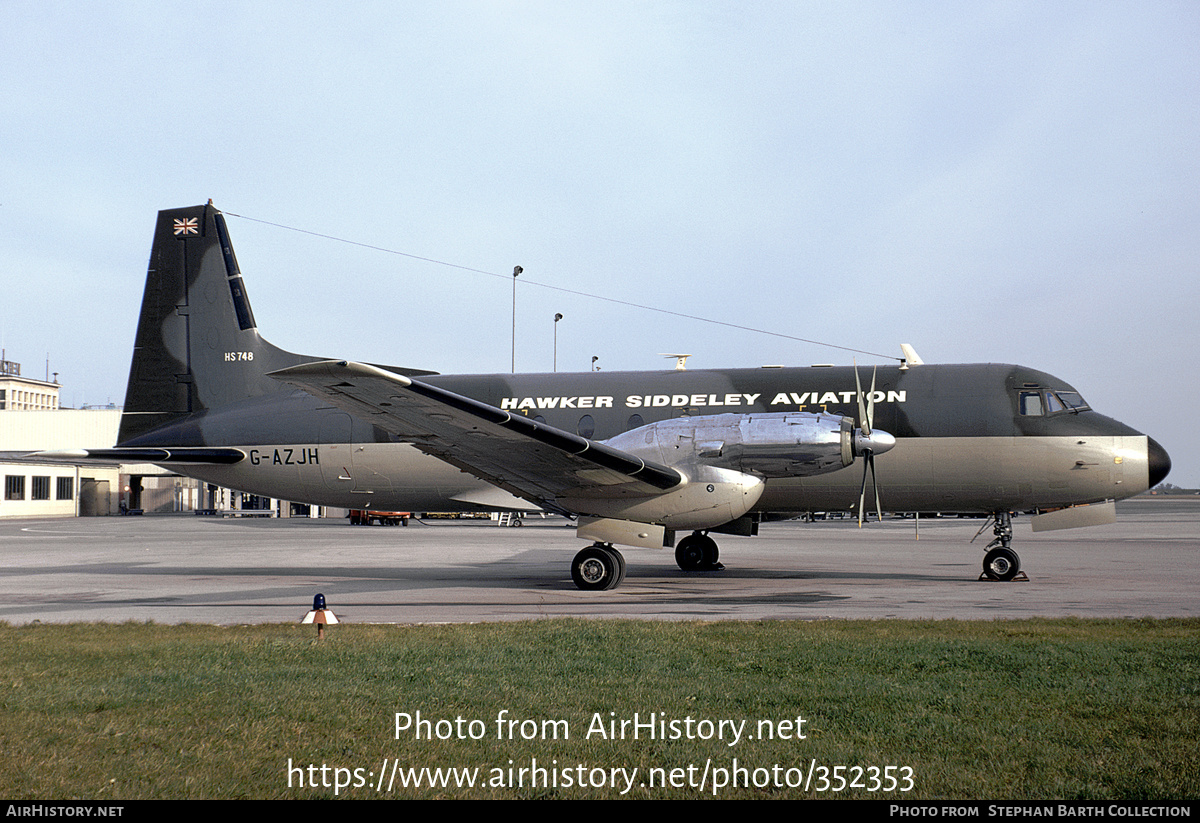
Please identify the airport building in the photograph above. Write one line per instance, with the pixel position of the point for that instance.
(32, 421)
(19, 393)
(45, 488)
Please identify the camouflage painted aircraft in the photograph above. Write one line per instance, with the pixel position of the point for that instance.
(635, 458)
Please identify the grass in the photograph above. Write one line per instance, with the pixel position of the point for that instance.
(1063, 709)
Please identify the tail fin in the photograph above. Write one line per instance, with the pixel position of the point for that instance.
(197, 346)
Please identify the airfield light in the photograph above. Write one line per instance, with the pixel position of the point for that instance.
(320, 615)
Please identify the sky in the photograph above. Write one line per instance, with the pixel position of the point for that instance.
(991, 182)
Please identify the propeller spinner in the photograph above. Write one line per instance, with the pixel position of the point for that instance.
(868, 443)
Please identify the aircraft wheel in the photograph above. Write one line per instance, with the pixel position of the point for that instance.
(1001, 564)
(620, 565)
(713, 554)
(597, 568)
(689, 554)
(697, 551)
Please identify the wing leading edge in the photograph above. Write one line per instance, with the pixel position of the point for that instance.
(532, 460)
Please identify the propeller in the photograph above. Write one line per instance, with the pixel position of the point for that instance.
(869, 443)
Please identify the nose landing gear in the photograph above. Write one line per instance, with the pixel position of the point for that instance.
(1000, 562)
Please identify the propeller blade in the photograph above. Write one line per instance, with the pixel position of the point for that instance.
(864, 421)
(862, 492)
(869, 465)
(871, 401)
(875, 486)
(867, 445)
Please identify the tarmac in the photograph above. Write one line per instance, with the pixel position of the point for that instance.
(187, 569)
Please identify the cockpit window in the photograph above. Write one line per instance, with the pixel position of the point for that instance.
(1041, 402)
(1031, 403)
(1073, 401)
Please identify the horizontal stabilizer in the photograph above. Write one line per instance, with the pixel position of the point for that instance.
(201, 455)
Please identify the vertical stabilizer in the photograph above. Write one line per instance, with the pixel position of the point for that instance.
(197, 346)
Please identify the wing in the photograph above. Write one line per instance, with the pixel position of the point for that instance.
(529, 459)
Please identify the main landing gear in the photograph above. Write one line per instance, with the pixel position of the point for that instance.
(599, 567)
(1001, 562)
(698, 552)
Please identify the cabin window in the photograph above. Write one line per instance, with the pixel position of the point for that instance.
(634, 422)
(587, 426)
(1031, 404)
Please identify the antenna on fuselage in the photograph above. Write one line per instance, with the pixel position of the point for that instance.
(680, 361)
(911, 358)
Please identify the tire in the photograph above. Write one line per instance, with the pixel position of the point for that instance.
(620, 558)
(697, 552)
(595, 569)
(1001, 564)
(689, 554)
(713, 553)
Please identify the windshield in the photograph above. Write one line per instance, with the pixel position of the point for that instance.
(1072, 400)
(1041, 402)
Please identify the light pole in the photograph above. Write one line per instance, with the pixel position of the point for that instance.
(594, 359)
(516, 270)
(557, 317)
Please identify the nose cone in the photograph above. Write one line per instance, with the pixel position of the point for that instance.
(877, 442)
(1158, 461)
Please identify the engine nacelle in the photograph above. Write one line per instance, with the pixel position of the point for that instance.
(725, 460)
(771, 444)
(710, 496)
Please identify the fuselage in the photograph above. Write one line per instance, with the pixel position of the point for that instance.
(969, 438)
